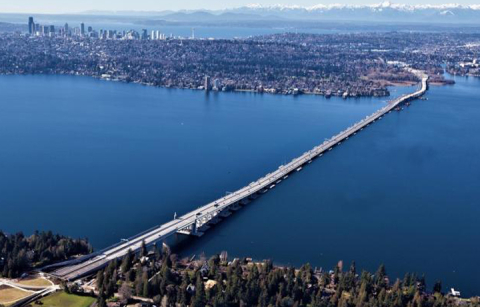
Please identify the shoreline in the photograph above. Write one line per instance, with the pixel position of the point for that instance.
(253, 91)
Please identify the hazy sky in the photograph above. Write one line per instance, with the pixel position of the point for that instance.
(69, 6)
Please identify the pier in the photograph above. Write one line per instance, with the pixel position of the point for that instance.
(196, 222)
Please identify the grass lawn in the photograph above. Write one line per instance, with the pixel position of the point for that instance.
(62, 299)
(9, 295)
(35, 282)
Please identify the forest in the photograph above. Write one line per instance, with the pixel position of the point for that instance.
(19, 254)
(168, 281)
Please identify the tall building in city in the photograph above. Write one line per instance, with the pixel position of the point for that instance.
(44, 30)
(31, 25)
(216, 85)
(82, 29)
(66, 29)
(207, 83)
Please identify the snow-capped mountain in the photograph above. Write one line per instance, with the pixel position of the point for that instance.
(385, 11)
(277, 14)
(382, 5)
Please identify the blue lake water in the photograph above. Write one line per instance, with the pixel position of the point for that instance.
(106, 160)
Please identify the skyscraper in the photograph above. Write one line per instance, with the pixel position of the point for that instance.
(31, 25)
(207, 85)
(82, 29)
(216, 85)
(44, 30)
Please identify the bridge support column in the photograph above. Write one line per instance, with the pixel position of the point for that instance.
(194, 228)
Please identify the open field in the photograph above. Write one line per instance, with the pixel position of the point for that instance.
(62, 299)
(35, 282)
(9, 295)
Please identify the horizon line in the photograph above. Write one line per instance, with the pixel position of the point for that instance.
(253, 6)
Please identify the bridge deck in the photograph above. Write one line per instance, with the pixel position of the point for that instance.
(212, 209)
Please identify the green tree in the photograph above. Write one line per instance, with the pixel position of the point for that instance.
(144, 250)
(380, 276)
(101, 302)
(146, 286)
(199, 300)
(437, 287)
(99, 279)
(127, 261)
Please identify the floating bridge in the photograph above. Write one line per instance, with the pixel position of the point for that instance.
(197, 221)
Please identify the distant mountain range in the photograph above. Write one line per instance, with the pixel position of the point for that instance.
(382, 12)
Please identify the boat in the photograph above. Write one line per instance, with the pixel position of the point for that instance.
(330, 149)
(299, 169)
(321, 155)
(278, 181)
(309, 161)
(286, 176)
(272, 186)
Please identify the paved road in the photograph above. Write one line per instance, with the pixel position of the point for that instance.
(192, 222)
(33, 292)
